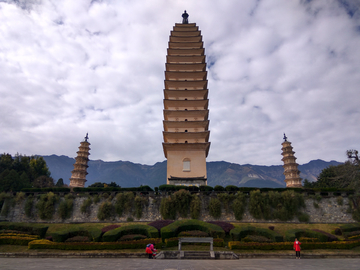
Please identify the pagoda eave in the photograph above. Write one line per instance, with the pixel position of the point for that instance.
(186, 147)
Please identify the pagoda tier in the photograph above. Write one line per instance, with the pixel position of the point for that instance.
(186, 135)
(78, 175)
(291, 172)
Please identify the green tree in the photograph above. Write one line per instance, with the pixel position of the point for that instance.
(21, 164)
(8, 180)
(6, 162)
(24, 181)
(97, 184)
(38, 167)
(43, 181)
(345, 175)
(60, 182)
(113, 184)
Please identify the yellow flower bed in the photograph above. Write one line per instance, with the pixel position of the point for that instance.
(135, 244)
(17, 240)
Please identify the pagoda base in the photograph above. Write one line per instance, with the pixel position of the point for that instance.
(187, 181)
(74, 182)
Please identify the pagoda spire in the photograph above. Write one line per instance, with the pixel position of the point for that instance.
(291, 172)
(78, 175)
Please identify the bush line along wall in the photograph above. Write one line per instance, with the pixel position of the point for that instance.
(286, 206)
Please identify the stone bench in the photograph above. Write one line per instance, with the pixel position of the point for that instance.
(196, 240)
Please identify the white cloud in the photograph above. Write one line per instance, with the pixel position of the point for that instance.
(71, 67)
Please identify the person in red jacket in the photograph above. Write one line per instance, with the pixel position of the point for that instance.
(297, 248)
(150, 250)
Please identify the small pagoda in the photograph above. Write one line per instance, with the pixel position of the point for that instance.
(78, 175)
(291, 172)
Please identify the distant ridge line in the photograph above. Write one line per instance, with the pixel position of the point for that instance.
(129, 174)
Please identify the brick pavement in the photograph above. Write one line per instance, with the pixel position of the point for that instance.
(145, 264)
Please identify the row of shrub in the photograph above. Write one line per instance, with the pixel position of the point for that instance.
(114, 235)
(232, 188)
(217, 188)
(117, 232)
(270, 205)
(179, 204)
(321, 236)
(136, 244)
(31, 229)
(17, 239)
(104, 189)
(62, 236)
(125, 202)
(284, 206)
(176, 227)
(11, 233)
(277, 205)
(289, 245)
(241, 232)
(48, 189)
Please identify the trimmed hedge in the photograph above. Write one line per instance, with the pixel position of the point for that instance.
(17, 240)
(105, 189)
(166, 187)
(136, 244)
(114, 235)
(329, 236)
(36, 229)
(173, 242)
(52, 189)
(96, 234)
(350, 227)
(226, 226)
(241, 232)
(289, 245)
(62, 236)
(158, 224)
(290, 235)
(176, 227)
(206, 188)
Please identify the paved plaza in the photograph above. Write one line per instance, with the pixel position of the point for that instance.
(132, 264)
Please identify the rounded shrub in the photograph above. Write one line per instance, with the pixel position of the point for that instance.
(195, 207)
(114, 235)
(46, 205)
(231, 188)
(176, 227)
(239, 205)
(105, 210)
(219, 188)
(215, 208)
(124, 202)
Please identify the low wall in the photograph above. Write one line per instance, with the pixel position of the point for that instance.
(328, 211)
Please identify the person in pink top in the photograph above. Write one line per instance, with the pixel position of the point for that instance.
(150, 250)
(297, 248)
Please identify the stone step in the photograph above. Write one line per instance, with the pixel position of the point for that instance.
(197, 255)
(197, 258)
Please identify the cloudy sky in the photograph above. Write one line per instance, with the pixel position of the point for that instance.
(71, 67)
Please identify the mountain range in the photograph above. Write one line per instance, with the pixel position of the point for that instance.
(128, 174)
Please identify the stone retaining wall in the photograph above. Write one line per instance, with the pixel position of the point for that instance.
(328, 211)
